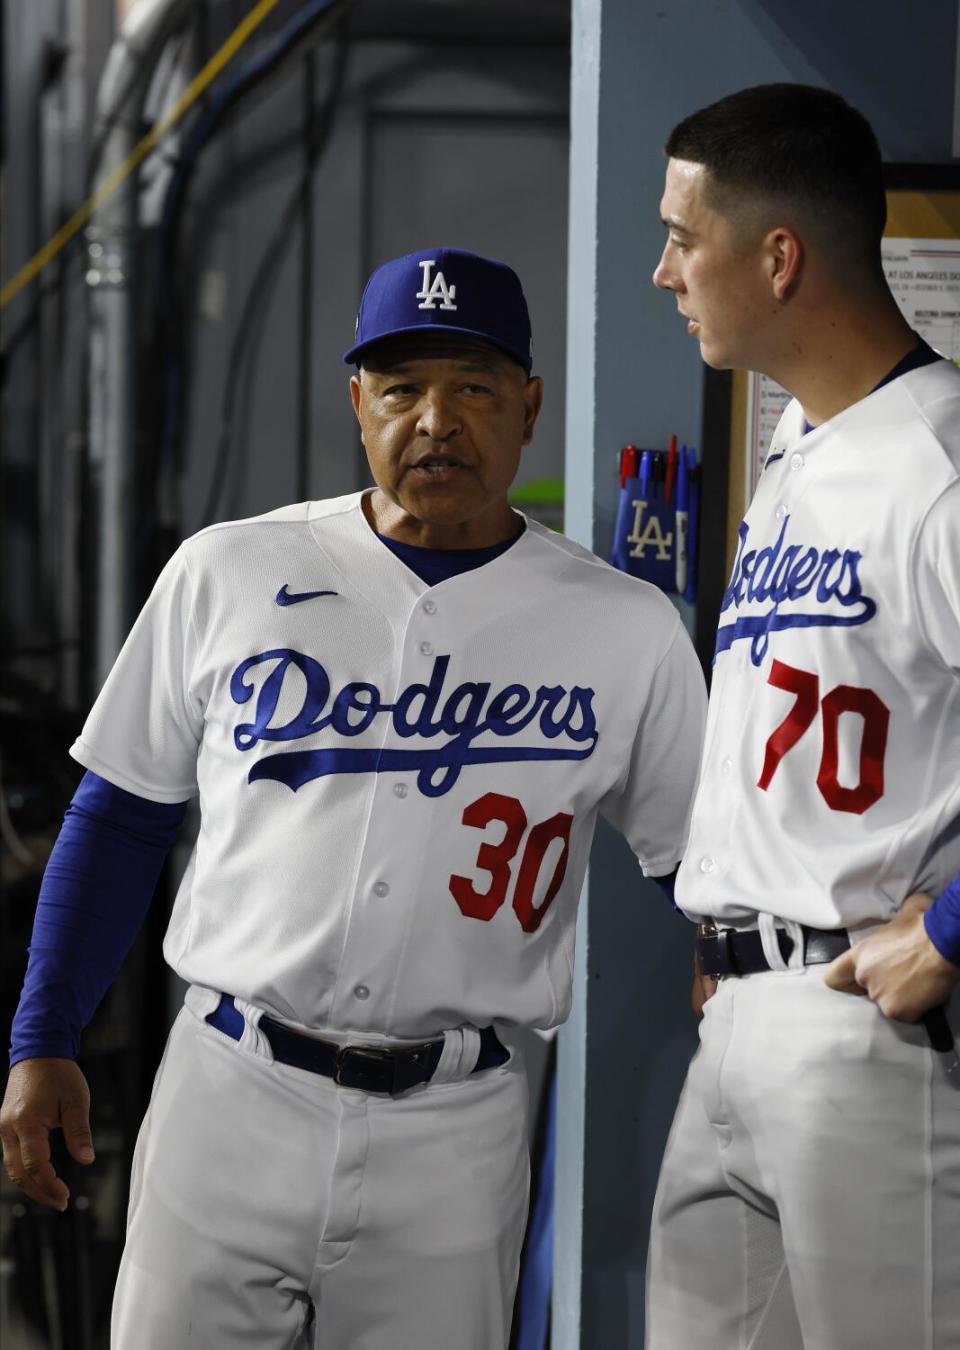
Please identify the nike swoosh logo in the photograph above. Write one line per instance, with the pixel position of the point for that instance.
(285, 597)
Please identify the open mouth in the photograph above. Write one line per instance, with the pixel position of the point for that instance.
(437, 468)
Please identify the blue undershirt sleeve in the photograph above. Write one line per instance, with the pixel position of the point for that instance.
(95, 893)
(942, 922)
(667, 884)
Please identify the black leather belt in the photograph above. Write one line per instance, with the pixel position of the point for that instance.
(387, 1069)
(727, 951)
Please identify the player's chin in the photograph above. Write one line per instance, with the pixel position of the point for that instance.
(451, 493)
(714, 357)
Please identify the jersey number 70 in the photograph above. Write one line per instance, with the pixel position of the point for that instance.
(843, 698)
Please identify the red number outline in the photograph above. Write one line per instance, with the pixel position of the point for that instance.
(873, 744)
(541, 836)
(806, 686)
(496, 859)
(843, 698)
(492, 858)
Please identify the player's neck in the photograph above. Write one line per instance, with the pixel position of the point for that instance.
(492, 527)
(837, 354)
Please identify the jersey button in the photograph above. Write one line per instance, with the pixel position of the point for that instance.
(426, 648)
(381, 888)
(361, 992)
(429, 606)
(707, 864)
(726, 768)
(781, 511)
(400, 789)
(796, 462)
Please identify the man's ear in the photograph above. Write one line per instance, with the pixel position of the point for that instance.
(785, 257)
(533, 402)
(356, 395)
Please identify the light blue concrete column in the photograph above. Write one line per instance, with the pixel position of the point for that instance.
(624, 1051)
(634, 375)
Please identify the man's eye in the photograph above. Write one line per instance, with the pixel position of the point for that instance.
(401, 389)
(476, 389)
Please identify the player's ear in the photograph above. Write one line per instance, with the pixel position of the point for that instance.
(784, 257)
(356, 395)
(532, 403)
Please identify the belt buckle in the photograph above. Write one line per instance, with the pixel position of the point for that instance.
(713, 949)
(354, 1068)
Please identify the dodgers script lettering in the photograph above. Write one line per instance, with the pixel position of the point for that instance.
(449, 721)
(779, 575)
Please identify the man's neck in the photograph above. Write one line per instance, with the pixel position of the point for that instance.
(840, 353)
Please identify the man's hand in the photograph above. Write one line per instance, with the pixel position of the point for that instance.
(704, 987)
(897, 967)
(43, 1095)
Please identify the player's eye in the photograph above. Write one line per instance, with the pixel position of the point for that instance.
(399, 390)
(476, 389)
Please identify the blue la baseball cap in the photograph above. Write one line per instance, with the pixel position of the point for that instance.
(445, 290)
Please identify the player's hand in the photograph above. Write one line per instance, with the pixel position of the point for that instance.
(704, 987)
(898, 967)
(44, 1095)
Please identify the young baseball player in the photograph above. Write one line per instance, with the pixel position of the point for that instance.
(402, 711)
(810, 1191)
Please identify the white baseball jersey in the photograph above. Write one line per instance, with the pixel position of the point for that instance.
(829, 789)
(398, 784)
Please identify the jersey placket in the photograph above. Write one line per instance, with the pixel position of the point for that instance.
(390, 862)
(737, 688)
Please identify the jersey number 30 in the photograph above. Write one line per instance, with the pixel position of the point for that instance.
(844, 698)
(496, 859)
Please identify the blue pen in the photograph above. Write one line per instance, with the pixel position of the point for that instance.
(682, 520)
(620, 545)
(693, 522)
(643, 478)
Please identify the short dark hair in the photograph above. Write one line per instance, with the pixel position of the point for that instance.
(800, 145)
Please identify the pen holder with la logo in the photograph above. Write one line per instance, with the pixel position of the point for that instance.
(655, 531)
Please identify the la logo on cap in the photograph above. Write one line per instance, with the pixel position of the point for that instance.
(435, 290)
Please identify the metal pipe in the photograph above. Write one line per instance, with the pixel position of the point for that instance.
(110, 259)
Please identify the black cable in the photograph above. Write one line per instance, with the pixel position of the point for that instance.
(265, 275)
(43, 288)
(307, 25)
(170, 29)
(305, 350)
(62, 279)
(41, 649)
(53, 57)
(23, 330)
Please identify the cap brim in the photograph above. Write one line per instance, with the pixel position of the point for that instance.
(352, 357)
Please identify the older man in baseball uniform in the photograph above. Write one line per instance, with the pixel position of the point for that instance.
(402, 711)
(810, 1193)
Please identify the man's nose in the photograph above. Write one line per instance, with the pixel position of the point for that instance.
(662, 276)
(438, 418)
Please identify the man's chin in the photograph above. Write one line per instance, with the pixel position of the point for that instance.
(714, 359)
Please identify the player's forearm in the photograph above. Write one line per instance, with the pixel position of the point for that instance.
(942, 922)
(95, 893)
(59, 997)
